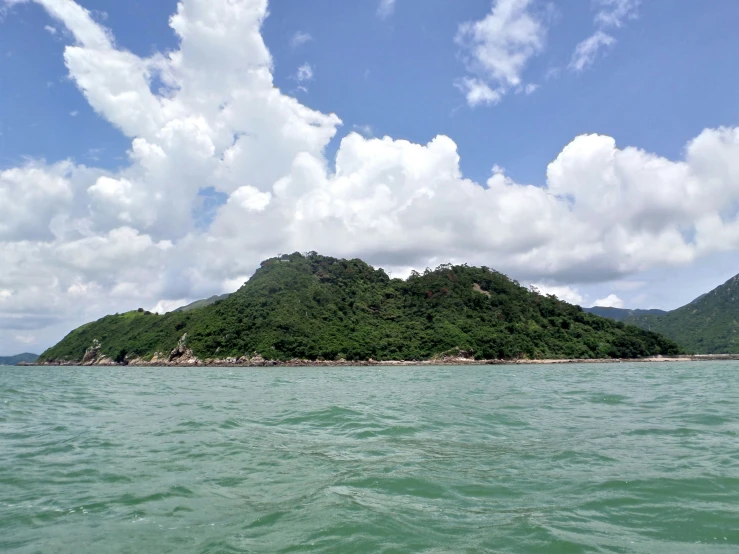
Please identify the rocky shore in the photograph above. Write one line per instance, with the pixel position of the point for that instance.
(258, 361)
(182, 356)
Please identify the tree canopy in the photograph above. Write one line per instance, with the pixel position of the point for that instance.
(315, 307)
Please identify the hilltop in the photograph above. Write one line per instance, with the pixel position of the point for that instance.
(315, 307)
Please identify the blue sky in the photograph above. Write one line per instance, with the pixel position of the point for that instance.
(666, 71)
(672, 73)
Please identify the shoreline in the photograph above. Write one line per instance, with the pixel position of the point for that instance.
(448, 361)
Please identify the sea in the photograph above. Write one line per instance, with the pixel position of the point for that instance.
(573, 458)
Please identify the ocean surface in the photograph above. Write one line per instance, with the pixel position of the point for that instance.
(556, 459)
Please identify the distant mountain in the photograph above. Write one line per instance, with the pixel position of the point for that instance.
(708, 325)
(621, 314)
(202, 303)
(316, 307)
(15, 360)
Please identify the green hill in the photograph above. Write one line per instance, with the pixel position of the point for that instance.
(202, 303)
(316, 307)
(15, 360)
(708, 325)
(621, 314)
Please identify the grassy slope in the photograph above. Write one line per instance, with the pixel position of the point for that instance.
(318, 307)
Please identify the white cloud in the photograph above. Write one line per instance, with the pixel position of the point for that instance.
(300, 38)
(78, 242)
(74, 113)
(610, 301)
(497, 49)
(250, 199)
(565, 293)
(587, 51)
(49, 29)
(164, 306)
(386, 8)
(32, 198)
(230, 285)
(531, 88)
(478, 92)
(612, 13)
(304, 73)
(81, 290)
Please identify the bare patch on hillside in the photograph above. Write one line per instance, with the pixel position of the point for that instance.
(478, 288)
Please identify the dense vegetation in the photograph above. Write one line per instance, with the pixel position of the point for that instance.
(14, 360)
(316, 307)
(708, 325)
(621, 314)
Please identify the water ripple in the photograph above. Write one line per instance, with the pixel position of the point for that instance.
(578, 458)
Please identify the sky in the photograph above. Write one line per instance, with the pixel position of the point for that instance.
(153, 153)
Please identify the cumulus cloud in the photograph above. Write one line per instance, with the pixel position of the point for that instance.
(32, 197)
(77, 242)
(610, 301)
(497, 48)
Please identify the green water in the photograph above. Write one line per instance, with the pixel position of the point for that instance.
(575, 458)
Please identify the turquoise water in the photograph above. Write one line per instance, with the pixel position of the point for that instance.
(556, 459)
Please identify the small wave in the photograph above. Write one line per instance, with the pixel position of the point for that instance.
(549, 459)
(610, 399)
(230, 424)
(326, 417)
(410, 486)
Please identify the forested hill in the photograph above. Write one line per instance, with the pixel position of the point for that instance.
(316, 307)
(18, 358)
(708, 325)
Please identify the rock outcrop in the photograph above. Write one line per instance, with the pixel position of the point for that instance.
(92, 354)
(182, 355)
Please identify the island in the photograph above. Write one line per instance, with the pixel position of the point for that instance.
(308, 308)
